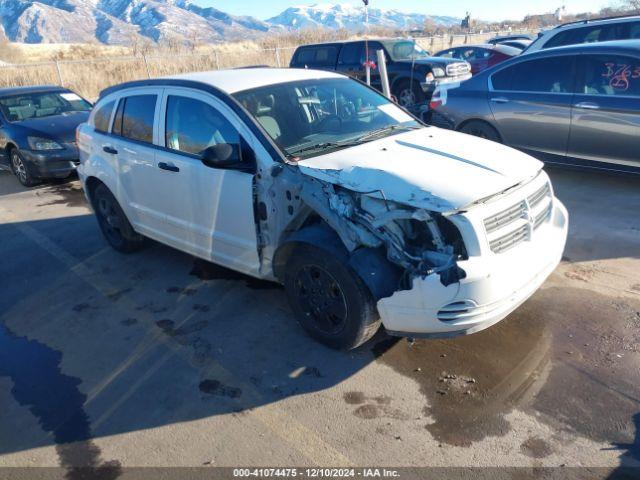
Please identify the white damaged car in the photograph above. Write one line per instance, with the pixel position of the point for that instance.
(316, 181)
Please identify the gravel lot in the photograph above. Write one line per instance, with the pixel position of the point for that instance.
(155, 359)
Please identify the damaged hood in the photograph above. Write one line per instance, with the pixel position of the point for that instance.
(430, 168)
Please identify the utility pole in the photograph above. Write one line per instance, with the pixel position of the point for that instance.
(367, 64)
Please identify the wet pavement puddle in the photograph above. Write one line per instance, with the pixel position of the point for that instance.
(568, 356)
(56, 401)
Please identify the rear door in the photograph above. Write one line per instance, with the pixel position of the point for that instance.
(209, 211)
(134, 133)
(531, 104)
(605, 125)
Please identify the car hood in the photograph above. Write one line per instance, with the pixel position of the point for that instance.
(57, 127)
(435, 169)
(430, 61)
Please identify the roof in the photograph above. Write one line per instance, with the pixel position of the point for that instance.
(613, 19)
(4, 92)
(609, 45)
(232, 81)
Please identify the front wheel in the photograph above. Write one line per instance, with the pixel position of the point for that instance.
(409, 93)
(20, 170)
(114, 223)
(330, 301)
(482, 130)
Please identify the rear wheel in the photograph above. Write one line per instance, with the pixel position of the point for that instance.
(482, 130)
(114, 223)
(331, 302)
(20, 170)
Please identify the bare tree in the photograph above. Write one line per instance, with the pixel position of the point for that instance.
(633, 6)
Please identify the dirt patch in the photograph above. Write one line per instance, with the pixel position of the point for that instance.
(535, 447)
(214, 387)
(558, 356)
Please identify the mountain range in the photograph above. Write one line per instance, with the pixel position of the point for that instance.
(123, 21)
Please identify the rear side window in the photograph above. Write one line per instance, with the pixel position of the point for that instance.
(134, 118)
(192, 126)
(544, 75)
(610, 75)
(102, 117)
(321, 56)
(351, 53)
(595, 33)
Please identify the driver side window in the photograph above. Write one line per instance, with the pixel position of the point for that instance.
(192, 125)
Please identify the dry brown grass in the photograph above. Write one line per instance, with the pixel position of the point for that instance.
(89, 68)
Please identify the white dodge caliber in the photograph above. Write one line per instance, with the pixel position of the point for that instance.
(316, 181)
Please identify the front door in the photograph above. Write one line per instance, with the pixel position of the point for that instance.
(605, 124)
(531, 104)
(209, 211)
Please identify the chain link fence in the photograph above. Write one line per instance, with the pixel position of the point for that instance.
(89, 76)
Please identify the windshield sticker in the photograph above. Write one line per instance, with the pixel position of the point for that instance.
(71, 97)
(395, 112)
(620, 74)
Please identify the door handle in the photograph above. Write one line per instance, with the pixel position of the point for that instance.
(500, 100)
(587, 106)
(168, 167)
(110, 150)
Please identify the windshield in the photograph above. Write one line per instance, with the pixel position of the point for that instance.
(17, 108)
(405, 50)
(308, 118)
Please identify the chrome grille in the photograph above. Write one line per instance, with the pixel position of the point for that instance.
(499, 220)
(514, 225)
(538, 196)
(541, 218)
(510, 240)
(460, 68)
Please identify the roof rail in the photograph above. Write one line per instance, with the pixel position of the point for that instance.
(589, 20)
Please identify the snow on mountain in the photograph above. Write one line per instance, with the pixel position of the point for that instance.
(119, 21)
(349, 16)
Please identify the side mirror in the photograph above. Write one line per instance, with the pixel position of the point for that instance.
(222, 155)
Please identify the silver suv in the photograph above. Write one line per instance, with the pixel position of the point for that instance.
(588, 31)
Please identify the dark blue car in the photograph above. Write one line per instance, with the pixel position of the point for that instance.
(37, 131)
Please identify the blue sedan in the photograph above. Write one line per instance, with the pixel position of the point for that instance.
(37, 131)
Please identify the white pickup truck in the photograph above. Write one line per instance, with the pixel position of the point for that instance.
(316, 181)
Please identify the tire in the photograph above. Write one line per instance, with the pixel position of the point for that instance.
(330, 301)
(20, 170)
(407, 94)
(114, 223)
(481, 129)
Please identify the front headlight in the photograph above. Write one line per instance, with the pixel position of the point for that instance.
(439, 72)
(430, 78)
(40, 143)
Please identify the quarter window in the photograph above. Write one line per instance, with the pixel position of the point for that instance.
(610, 75)
(192, 126)
(102, 117)
(545, 75)
(134, 118)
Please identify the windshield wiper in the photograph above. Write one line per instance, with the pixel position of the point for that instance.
(380, 131)
(317, 146)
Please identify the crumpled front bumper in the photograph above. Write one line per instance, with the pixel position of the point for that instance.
(494, 287)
